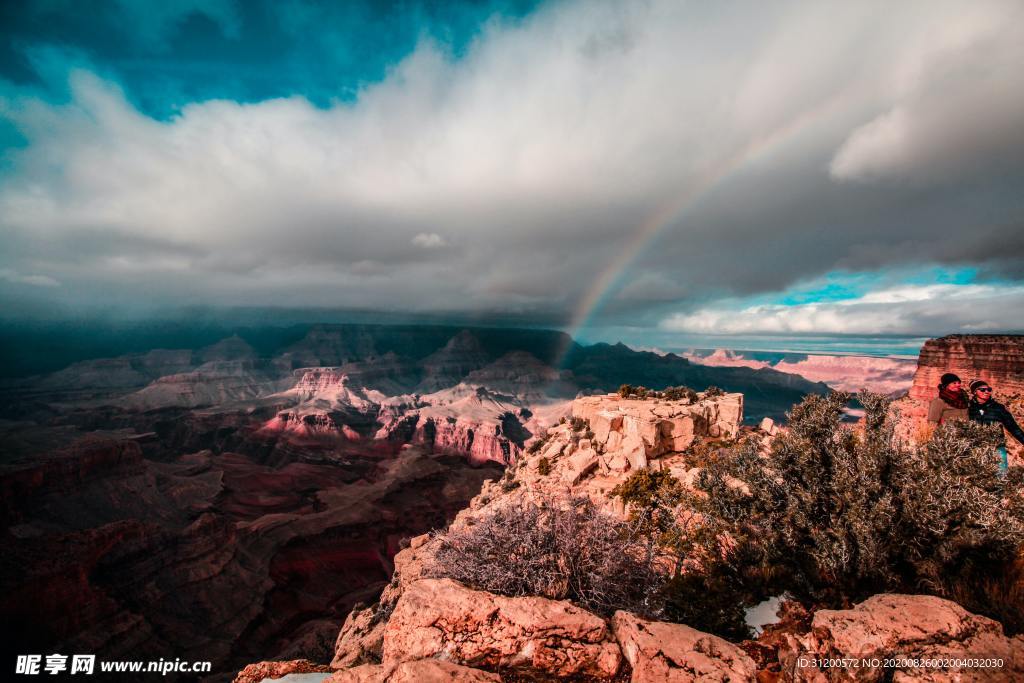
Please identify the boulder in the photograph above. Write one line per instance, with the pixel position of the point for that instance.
(442, 618)
(911, 627)
(664, 652)
(255, 673)
(419, 671)
(360, 639)
(679, 432)
(579, 466)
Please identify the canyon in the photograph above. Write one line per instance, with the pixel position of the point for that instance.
(229, 503)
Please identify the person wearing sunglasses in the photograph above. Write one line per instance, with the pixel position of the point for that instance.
(986, 410)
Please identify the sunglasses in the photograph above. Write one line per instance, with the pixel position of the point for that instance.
(984, 390)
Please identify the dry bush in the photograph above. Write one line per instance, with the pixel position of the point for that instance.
(560, 551)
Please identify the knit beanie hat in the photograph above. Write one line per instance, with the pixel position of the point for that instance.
(978, 384)
(948, 378)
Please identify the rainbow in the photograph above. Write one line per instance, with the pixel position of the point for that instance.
(674, 209)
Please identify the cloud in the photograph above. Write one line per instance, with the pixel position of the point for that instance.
(428, 240)
(955, 106)
(545, 150)
(908, 310)
(8, 275)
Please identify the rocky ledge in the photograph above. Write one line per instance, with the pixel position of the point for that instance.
(429, 628)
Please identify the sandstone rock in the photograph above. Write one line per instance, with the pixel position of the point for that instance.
(909, 626)
(255, 673)
(439, 617)
(656, 426)
(767, 425)
(579, 466)
(660, 651)
(365, 673)
(437, 671)
(419, 671)
(635, 451)
(360, 640)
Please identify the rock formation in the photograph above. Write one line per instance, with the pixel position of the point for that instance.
(422, 620)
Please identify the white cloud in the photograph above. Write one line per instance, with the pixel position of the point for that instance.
(8, 275)
(428, 240)
(911, 310)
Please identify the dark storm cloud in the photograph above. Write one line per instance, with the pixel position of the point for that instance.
(507, 176)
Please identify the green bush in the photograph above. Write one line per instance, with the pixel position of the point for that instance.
(538, 444)
(713, 392)
(843, 513)
(680, 393)
(579, 424)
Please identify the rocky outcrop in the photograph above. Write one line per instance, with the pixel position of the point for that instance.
(418, 671)
(260, 671)
(658, 651)
(422, 617)
(944, 640)
(997, 359)
(441, 618)
(638, 430)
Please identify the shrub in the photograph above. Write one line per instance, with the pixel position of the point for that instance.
(844, 513)
(570, 551)
(713, 392)
(652, 497)
(544, 466)
(679, 393)
(578, 424)
(538, 444)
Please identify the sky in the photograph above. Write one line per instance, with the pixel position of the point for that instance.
(666, 173)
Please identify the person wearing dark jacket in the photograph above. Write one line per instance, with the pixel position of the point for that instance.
(986, 410)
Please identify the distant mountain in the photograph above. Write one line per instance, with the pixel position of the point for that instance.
(884, 375)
